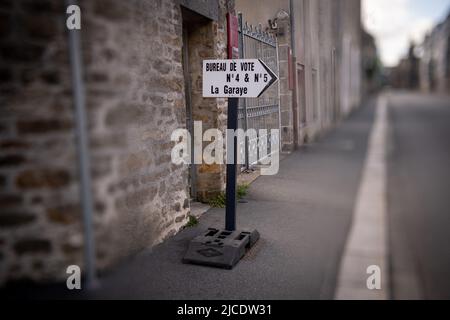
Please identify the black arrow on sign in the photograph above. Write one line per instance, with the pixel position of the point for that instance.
(273, 77)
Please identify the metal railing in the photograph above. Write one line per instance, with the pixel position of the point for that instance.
(262, 112)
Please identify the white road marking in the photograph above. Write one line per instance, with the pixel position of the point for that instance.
(367, 241)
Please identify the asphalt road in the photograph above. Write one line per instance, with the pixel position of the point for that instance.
(419, 195)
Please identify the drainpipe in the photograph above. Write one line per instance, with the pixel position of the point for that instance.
(295, 112)
(85, 185)
(292, 23)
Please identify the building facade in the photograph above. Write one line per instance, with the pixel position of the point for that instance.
(406, 74)
(319, 59)
(435, 59)
(142, 69)
(371, 65)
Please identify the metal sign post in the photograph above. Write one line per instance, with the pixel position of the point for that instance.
(233, 79)
(233, 24)
(230, 210)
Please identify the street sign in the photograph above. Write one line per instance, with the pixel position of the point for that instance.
(232, 79)
(236, 78)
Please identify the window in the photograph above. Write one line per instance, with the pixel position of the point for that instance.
(301, 93)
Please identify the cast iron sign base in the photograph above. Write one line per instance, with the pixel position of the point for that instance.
(220, 248)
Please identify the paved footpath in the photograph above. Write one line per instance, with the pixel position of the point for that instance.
(303, 214)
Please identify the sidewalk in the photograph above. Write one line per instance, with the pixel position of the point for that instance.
(303, 215)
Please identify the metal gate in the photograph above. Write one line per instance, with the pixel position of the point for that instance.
(262, 112)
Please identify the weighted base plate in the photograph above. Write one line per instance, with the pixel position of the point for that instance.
(220, 248)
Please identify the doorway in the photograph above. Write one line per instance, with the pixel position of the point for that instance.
(197, 32)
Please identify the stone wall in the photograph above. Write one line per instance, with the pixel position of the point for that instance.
(135, 81)
(39, 215)
(132, 52)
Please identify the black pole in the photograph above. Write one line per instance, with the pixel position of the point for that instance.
(232, 122)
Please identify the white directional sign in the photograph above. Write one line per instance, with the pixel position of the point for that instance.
(237, 78)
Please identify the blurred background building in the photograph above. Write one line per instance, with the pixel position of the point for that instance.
(427, 64)
(371, 65)
(406, 74)
(435, 59)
